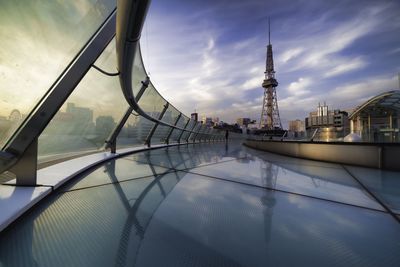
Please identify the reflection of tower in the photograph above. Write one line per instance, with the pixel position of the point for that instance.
(270, 114)
(269, 172)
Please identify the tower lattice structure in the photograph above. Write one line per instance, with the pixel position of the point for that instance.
(270, 119)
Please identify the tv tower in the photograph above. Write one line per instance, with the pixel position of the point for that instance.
(270, 114)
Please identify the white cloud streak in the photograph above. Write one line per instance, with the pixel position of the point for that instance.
(345, 67)
(300, 87)
(217, 78)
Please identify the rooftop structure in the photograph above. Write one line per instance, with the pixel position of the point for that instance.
(326, 124)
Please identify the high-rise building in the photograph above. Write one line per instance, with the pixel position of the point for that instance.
(194, 116)
(297, 126)
(270, 119)
(243, 121)
(83, 114)
(297, 129)
(207, 121)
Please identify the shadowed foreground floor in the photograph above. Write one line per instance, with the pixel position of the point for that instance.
(213, 205)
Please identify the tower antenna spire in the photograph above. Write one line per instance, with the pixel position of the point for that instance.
(269, 31)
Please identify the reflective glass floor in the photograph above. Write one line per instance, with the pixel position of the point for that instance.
(213, 205)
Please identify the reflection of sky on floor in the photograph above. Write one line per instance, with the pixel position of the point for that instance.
(333, 184)
(206, 205)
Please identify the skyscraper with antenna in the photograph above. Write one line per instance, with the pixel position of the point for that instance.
(270, 119)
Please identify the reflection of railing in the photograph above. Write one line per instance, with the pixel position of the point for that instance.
(135, 219)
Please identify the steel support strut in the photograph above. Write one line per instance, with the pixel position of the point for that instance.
(111, 142)
(180, 135)
(192, 131)
(172, 129)
(148, 139)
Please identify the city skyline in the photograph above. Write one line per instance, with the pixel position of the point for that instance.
(210, 55)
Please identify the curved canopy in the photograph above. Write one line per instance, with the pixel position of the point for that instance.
(380, 104)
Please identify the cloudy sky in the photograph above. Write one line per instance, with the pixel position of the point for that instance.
(209, 55)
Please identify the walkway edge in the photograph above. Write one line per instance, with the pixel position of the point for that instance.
(16, 200)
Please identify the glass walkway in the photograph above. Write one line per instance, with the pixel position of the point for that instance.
(97, 168)
(212, 205)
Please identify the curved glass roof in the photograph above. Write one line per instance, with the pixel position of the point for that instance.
(380, 104)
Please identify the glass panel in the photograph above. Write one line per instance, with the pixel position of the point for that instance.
(192, 134)
(138, 72)
(382, 183)
(214, 133)
(186, 134)
(210, 134)
(31, 34)
(160, 134)
(195, 131)
(205, 134)
(134, 132)
(117, 171)
(151, 102)
(170, 115)
(201, 131)
(88, 116)
(176, 132)
(326, 183)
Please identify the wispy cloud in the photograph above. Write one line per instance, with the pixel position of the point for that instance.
(300, 87)
(321, 51)
(363, 89)
(395, 51)
(215, 64)
(291, 54)
(346, 66)
(252, 83)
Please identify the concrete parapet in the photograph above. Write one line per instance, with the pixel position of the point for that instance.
(373, 155)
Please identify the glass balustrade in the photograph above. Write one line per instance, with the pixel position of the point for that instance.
(39, 39)
(134, 132)
(88, 116)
